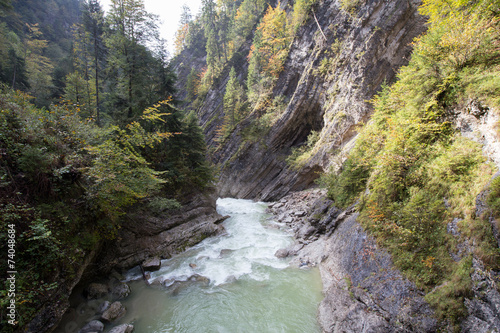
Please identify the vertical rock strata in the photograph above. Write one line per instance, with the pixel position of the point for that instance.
(326, 85)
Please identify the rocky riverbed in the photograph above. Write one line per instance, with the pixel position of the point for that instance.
(363, 291)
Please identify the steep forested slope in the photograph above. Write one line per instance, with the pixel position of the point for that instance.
(92, 146)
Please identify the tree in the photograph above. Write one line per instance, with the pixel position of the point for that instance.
(132, 28)
(210, 18)
(192, 84)
(275, 40)
(80, 87)
(38, 66)
(183, 30)
(12, 64)
(93, 21)
(246, 17)
(5, 5)
(165, 77)
(233, 100)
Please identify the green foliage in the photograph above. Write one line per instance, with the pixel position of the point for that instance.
(274, 41)
(65, 183)
(300, 155)
(494, 197)
(158, 205)
(413, 173)
(120, 175)
(34, 243)
(301, 9)
(448, 298)
(235, 105)
(350, 6)
(181, 158)
(245, 20)
(192, 84)
(346, 186)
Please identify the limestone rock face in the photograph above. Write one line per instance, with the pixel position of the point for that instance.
(325, 85)
(363, 291)
(151, 264)
(144, 236)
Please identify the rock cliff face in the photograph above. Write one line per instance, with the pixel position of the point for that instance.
(327, 80)
(363, 291)
(144, 236)
(334, 66)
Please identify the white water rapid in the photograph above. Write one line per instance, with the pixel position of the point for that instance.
(228, 284)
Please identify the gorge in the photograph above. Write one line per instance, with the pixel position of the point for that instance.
(368, 128)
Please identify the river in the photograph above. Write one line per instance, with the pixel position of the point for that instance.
(229, 283)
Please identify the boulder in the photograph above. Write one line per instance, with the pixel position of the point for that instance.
(93, 326)
(96, 290)
(224, 253)
(151, 264)
(121, 290)
(103, 307)
(115, 311)
(281, 253)
(124, 328)
(158, 281)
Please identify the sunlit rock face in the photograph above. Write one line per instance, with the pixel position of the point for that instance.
(329, 77)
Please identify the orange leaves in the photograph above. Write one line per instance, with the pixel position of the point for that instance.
(180, 37)
(374, 212)
(274, 41)
(429, 261)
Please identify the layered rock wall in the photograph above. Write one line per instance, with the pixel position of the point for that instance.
(144, 235)
(333, 68)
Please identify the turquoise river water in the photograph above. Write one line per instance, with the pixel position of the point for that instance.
(230, 283)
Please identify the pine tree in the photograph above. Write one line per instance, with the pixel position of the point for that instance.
(132, 28)
(93, 21)
(234, 100)
(192, 84)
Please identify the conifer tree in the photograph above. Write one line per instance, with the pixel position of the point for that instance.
(93, 21)
(131, 29)
(234, 100)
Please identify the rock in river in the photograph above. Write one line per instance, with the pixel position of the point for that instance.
(96, 290)
(151, 264)
(115, 310)
(121, 290)
(125, 328)
(93, 326)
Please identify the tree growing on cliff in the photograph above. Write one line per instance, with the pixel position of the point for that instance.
(234, 102)
(183, 30)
